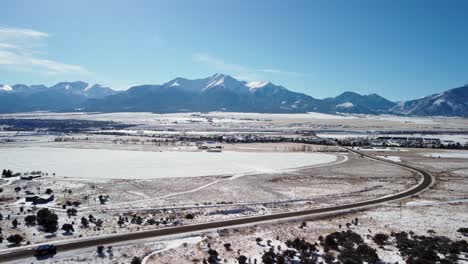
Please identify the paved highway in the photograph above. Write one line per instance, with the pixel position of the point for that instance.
(28, 251)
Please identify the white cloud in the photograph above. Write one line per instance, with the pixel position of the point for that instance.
(9, 33)
(18, 52)
(239, 71)
(56, 67)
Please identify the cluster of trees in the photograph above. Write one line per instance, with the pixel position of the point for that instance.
(103, 198)
(56, 125)
(351, 247)
(44, 217)
(138, 220)
(7, 173)
(362, 142)
(171, 139)
(213, 256)
(463, 230)
(339, 247)
(71, 212)
(135, 260)
(428, 249)
(48, 220)
(15, 239)
(85, 222)
(252, 138)
(70, 203)
(100, 251)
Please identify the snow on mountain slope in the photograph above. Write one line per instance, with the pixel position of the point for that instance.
(453, 102)
(257, 84)
(6, 88)
(351, 102)
(345, 105)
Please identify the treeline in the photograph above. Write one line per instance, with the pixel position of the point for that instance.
(409, 144)
(9, 173)
(201, 138)
(54, 125)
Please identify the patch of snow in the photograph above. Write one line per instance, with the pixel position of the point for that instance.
(391, 158)
(450, 155)
(440, 101)
(216, 80)
(90, 86)
(403, 119)
(174, 84)
(380, 149)
(432, 203)
(172, 244)
(6, 88)
(345, 105)
(140, 194)
(257, 84)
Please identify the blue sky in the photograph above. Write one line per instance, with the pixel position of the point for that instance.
(399, 49)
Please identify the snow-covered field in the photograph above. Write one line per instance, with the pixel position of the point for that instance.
(124, 164)
(452, 154)
(391, 158)
(259, 121)
(150, 180)
(381, 149)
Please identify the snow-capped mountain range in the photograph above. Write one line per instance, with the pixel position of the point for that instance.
(218, 92)
(76, 88)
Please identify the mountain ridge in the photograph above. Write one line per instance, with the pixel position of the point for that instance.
(218, 92)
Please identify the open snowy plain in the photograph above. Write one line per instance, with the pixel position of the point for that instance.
(127, 164)
(153, 176)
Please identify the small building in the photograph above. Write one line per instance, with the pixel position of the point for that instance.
(34, 199)
(29, 176)
(31, 198)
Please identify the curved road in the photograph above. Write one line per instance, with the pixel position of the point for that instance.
(64, 245)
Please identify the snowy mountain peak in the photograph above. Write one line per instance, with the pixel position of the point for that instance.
(217, 76)
(71, 86)
(225, 82)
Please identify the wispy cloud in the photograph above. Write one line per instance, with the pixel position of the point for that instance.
(220, 65)
(277, 71)
(19, 49)
(10, 33)
(240, 71)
